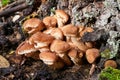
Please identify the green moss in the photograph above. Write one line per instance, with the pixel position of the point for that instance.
(5, 2)
(110, 74)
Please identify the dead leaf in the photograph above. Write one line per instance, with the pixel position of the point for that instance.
(4, 62)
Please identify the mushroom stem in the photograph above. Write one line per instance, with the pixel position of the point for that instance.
(92, 69)
(65, 59)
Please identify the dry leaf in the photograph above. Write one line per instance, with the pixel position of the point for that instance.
(4, 62)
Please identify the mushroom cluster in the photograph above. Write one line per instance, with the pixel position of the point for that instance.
(57, 43)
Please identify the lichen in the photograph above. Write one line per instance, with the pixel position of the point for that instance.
(109, 74)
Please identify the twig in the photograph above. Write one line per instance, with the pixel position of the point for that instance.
(14, 9)
(14, 4)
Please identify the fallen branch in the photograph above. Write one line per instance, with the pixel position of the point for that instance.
(14, 9)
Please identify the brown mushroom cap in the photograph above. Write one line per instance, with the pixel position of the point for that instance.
(75, 56)
(57, 33)
(59, 46)
(110, 63)
(48, 58)
(92, 55)
(62, 17)
(40, 39)
(33, 25)
(89, 44)
(25, 48)
(86, 29)
(44, 49)
(50, 21)
(70, 30)
(79, 44)
(72, 54)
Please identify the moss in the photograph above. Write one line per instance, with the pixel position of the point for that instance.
(109, 74)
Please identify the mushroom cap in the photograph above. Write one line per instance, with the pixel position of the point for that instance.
(62, 17)
(57, 33)
(70, 30)
(72, 54)
(33, 25)
(25, 48)
(48, 31)
(89, 44)
(48, 58)
(40, 39)
(79, 44)
(44, 49)
(86, 29)
(50, 21)
(92, 55)
(110, 63)
(59, 46)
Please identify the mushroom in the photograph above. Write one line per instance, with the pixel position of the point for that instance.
(92, 54)
(79, 44)
(44, 49)
(62, 17)
(40, 40)
(75, 56)
(50, 21)
(69, 31)
(86, 29)
(110, 63)
(51, 59)
(33, 25)
(61, 48)
(48, 31)
(89, 44)
(55, 32)
(25, 48)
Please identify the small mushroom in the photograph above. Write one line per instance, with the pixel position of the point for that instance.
(110, 63)
(40, 40)
(51, 59)
(33, 25)
(55, 32)
(25, 48)
(92, 55)
(81, 45)
(86, 29)
(61, 48)
(62, 17)
(50, 21)
(69, 31)
(75, 56)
